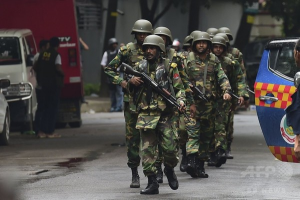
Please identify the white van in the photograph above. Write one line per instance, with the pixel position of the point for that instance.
(17, 48)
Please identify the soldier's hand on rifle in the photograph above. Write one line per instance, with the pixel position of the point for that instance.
(123, 84)
(136, 81)
(226, 96)
(241, 101)
(182, 106)
(192, 110)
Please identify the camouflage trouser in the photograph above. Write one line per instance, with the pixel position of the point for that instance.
(132, 138)
(230, 127)
(220, 132)
(201, 133)
(164, 134)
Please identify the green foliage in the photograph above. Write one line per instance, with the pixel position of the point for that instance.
(90, 88)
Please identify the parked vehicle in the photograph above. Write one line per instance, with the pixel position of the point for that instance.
(44, 24)
(273, 87)
(4, 114)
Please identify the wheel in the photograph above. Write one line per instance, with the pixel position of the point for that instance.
(4, 136)
(75, 124)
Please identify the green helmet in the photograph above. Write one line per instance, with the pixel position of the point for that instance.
(164, 31)
(194, 33)
(226, 31)
(201, 36)
(155, 41)
(142, 26)
(212, 32)
(217, 39)
(186, 41)
(224, 36)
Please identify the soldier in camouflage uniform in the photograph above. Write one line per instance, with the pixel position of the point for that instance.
(205, 72)
(156, 119)
(236, 55)
(172, 56)
(235, 75)
(131, 54)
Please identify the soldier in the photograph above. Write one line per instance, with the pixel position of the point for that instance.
(212, 32)
(172, 56)
(187, 47)
(205, 72)
(236, 55)
(131, 54)
(156, 119)
(235, 75)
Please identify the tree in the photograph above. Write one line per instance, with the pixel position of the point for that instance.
(287, 11)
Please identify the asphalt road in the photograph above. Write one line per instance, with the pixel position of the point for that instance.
(90, 163)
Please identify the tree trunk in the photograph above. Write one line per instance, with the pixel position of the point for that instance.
(194, 15)
(109, 33)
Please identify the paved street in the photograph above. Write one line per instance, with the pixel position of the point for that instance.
(90, 163)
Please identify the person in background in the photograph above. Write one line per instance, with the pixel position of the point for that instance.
(50, 77)
(116, 94)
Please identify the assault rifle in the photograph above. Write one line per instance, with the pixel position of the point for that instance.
(155, 86)
(247, 88)
(198, 92)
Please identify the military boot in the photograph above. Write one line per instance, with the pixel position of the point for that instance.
(220, 157)
(159, 175)
(201, 170)
(183, 163)
(228, 152)
(212, 159)
(152, 187)
(135, 183)
(172, 179)
(191, 168)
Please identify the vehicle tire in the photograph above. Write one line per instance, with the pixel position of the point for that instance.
(4, 136)
(75, 124)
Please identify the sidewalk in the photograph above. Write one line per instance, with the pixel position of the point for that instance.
(96, 104)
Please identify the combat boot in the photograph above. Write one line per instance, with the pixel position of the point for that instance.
(220, 157)
(159, 175)
(201, 170)
(183, 163)
(135, 183)
(191, 168)
(212, 159)
(172, 179)
(152, 187)
(228, 152)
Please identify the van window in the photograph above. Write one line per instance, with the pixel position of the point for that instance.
(30, 45)
(281, 59)
(10, 51)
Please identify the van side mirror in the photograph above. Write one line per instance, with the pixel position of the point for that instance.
(4, 83)
(29, 61)
(297, 79)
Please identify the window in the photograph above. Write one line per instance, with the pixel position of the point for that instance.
(281, 59)
(10, 53)
(30, 45)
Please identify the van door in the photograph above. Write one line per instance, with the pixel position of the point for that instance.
(273, 90)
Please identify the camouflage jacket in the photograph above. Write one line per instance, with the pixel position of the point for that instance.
(207, 74)
(129, 54)
(150, 104)
(237, 55)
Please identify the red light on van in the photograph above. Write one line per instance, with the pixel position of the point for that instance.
(72, 57)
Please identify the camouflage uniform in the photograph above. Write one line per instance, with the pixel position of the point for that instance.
(205, 113)
(156, 120)
(129, 54)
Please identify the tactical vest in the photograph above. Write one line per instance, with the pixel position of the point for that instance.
(228, 66)
(47, 75)
(110, 56)
(203, 75)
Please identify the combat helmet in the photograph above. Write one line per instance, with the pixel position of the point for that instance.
(112, 41)
(212, 32)
(186, 41)
(224, 36)
(155, 40)
(200, 37)
(217, 39)
(193, 33)
(164, 31)
(142, 26)
(227, 32)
